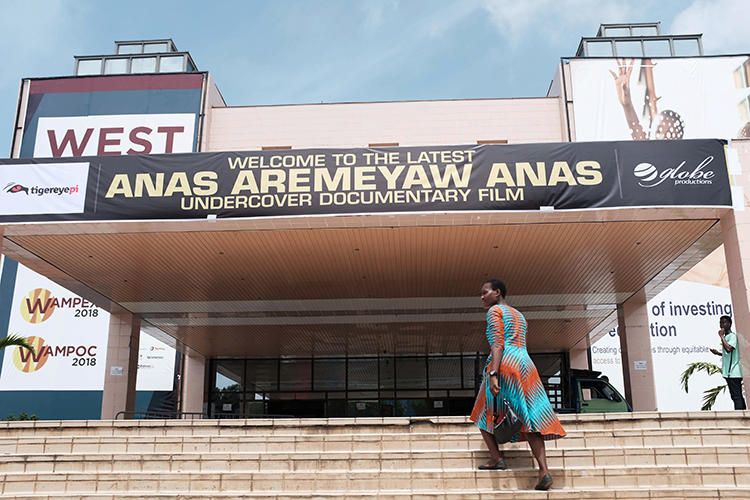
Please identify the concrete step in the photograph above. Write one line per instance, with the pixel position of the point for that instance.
(667, 493)
(701, 493)
(368, 481)
(367, 426)
(468, 439)
(403, 461)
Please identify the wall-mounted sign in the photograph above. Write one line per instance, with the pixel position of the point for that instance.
(441, 178)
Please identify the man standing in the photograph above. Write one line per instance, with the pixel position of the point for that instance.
(730, 362)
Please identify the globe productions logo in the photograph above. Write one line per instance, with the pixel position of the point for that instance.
(12, 187)
(649, 175)
(27, 362)
(38, 305)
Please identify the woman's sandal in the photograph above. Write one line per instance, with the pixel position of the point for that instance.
(499, 465)
(544, 483)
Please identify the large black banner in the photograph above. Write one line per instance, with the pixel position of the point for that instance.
(339, 181)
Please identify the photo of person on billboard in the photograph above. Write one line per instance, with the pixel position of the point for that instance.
(664, 98)
(664, 125)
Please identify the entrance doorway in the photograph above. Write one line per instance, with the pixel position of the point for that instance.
(362, 386)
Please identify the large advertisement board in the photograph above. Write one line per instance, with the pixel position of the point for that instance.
(66, 333)
(668, 98)
(334, 181)
(72, 117)
(69, 335)
(108, 115)
(683, 324)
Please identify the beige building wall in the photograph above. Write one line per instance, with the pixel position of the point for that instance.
(735, 228)
(122, 363)
(635, 345)
(193, 381)
(413, 123)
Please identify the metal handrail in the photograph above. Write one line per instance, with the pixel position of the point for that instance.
(188, 415)
(249, 416)
(174, 415)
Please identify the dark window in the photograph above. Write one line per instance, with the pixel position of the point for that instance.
(262, 375)
(411, 373)
(329, 374)
(445, 372)
(363, 374)
(295, 375)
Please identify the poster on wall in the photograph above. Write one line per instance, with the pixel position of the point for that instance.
(69, 335)
(683, 324)
(155, 365)
(651, 98)
(71, 117)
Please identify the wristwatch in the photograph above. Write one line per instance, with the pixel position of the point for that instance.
(493, 373)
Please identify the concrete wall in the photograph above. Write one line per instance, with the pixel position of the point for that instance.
(414, 123)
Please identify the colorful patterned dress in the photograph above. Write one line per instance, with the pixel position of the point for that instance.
(519, 380)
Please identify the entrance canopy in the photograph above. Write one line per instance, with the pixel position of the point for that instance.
(332, 252)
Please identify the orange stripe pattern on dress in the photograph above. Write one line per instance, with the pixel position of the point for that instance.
(520, 383)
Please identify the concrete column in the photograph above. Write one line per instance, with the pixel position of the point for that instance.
(193, 381)
(735, 230)
(635, 342)
(579, 358)
(122, 362)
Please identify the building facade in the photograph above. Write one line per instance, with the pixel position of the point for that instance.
(359, 305)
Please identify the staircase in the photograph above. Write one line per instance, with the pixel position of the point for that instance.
(701, 455)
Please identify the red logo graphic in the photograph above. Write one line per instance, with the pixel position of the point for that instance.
(16, 188)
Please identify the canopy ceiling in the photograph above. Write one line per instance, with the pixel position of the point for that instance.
(368, 283)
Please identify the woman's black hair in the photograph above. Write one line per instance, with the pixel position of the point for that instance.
(497, 284)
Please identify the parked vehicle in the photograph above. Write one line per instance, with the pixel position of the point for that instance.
(590, 392)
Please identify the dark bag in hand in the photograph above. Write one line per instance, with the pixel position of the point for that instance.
(509, 425)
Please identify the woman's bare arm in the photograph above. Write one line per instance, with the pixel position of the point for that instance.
(622, 84)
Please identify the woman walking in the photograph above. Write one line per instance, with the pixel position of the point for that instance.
(510, 372)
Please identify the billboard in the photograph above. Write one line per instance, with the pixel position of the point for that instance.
(683, 325)
(73, 117)
(104, 115)
(440, 178)
(667, 98)
(68, 334)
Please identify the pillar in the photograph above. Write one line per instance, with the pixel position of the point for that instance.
(735, 232)
(635, 343)
(193, 382)
(122, 363)
(579, 358)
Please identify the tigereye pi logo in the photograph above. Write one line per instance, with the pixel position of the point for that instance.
(12, 187)
(38, 305)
